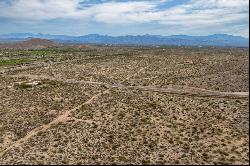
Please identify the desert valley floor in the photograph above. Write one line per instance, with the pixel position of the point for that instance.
(124, 105)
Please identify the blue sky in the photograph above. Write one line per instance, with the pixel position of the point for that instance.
(125, 17)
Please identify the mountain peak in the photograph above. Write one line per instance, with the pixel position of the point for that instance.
(30, 43)
(147, 39)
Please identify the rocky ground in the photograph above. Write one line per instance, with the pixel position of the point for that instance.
(124, 105)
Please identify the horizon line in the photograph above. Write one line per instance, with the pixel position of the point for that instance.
(39, 33)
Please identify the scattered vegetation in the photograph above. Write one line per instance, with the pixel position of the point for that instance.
(15, 61)
(123, 125)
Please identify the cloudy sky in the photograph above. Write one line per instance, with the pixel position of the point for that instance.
(125, 17)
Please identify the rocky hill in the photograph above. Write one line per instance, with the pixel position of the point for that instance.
(30, 43)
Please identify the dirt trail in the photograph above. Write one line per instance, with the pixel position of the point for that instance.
(171, 89)
(61, 118)
(191, 91)
(179, 90)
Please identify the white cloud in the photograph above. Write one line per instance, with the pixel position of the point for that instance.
(39, 9)
(121, 12)
(221, 3)
(208, 12)
(195, 13)
(125, 12)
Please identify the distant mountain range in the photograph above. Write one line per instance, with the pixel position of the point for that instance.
(175, 40)
(32, 43)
